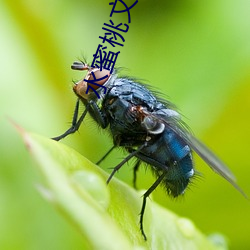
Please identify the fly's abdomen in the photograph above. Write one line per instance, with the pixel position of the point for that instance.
(178, 176)
(169, 155)
(180, 166)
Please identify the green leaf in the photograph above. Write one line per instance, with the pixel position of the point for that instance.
(106, 215)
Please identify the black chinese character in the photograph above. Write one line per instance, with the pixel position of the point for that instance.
(104, 60)
(101, 55)
(120, 11)
(96, 84)
(110, 40)
(110, 60)
(116, 27)
(113, 33)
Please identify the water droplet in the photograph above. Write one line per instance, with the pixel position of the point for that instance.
(94, 185)
(187, 227)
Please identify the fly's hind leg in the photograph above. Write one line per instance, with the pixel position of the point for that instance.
(145, 196)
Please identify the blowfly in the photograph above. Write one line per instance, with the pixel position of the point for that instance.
(148, 127)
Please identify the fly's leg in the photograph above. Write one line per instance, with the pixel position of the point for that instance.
(125, 160)
(135, 169)
(105, 155)
(75, 124)
(95, 112)
(145, 196)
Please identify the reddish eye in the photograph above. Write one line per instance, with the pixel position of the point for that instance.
(96, 78)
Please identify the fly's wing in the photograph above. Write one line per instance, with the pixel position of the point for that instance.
(175, 124)
(212, 160)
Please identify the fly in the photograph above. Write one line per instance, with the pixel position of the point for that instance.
(149, 128)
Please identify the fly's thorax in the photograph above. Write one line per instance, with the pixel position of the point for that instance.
(94, 81)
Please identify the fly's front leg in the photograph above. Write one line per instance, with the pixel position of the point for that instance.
(75, 123)
(97, 114)
(94, 111)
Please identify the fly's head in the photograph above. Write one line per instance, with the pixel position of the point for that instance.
(93, 84)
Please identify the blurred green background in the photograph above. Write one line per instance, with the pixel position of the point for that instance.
(195, 52)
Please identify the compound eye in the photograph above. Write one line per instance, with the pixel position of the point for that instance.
(152, 125)
(97, 78)
(94, 80)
